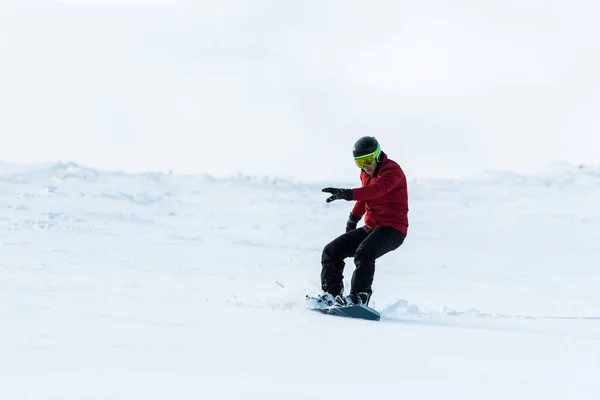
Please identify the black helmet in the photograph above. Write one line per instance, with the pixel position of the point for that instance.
(365, 145)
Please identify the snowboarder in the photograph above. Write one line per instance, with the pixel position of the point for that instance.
(383, 201)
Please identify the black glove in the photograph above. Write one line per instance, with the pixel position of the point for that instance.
(338, 194)
(352, 221)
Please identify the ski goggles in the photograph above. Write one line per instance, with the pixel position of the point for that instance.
(367, 160)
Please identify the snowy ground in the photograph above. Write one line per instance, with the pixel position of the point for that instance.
(117, 286)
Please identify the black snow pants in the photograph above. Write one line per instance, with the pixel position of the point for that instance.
(365, 246)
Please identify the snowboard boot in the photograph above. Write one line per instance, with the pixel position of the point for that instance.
(353, 299)
(322, 301)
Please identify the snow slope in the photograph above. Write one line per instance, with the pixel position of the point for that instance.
(159, 286)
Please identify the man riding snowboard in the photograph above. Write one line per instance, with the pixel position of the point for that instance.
(383, 201)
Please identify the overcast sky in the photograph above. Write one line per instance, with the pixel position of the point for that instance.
(284, 88)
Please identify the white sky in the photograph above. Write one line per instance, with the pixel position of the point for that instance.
(285, 87)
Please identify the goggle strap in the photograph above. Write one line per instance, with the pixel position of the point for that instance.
(375, 153)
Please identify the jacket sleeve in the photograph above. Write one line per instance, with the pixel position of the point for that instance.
(388, 180)
(359, 209)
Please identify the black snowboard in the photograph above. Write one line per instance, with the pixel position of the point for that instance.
(362, 312)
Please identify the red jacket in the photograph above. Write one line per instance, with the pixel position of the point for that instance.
(384, 197)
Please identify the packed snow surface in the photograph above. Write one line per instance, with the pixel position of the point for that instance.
(161, 286)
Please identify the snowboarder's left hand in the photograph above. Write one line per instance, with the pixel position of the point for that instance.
(352, 222)
(338, 194)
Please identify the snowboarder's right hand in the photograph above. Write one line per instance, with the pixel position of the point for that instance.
(338, 194)
(352, 222)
